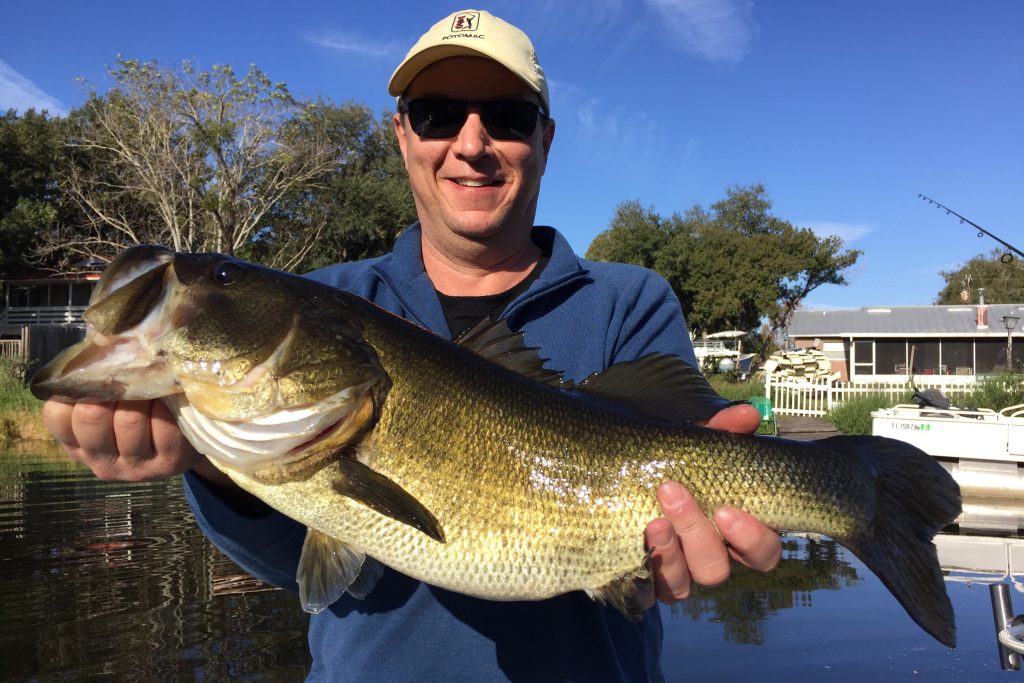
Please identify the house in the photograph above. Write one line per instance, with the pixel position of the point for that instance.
(41, 312)
(45, 299)
(888, 343)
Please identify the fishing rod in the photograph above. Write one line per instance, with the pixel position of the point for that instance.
(1006, 257)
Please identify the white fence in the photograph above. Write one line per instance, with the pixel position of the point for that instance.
(11, 348)
(817, 396)
(15, 348)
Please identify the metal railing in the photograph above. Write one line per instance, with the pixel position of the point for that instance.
(42, 315)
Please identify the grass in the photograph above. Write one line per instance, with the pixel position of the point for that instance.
(19, 409)
(736, 391)
(854, 415)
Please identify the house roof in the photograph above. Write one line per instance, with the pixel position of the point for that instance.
(903, 321)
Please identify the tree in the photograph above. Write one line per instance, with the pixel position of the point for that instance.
(366, 201)
(197, 160)
(636, 236)
(1003, 282)
(731, 266)
(30, 149)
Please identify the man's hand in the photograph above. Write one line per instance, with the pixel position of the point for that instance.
(686, 547)
(125, 441)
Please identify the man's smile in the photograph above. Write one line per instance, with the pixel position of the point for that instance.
(467, 182)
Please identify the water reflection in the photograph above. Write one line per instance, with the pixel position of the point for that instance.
(860, 632)
(744, 603)
(114, 580)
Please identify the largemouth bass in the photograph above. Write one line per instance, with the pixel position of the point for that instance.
(468, 465)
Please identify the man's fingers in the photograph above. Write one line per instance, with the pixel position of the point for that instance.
(126, 441)
(671, 577)
(750, 542)
(93, 426)
(742, 418)
(131, 431)
(173, 454)
(702, 550)
(57, 420)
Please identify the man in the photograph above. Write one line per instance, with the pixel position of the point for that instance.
(474, 129)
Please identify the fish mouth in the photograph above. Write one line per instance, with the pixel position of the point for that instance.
(160, 326)
(114, 362)
(301, 452)
(282, 439)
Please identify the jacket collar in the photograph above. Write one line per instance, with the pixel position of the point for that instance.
(404, 275)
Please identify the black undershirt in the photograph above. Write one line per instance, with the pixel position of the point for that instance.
(462, 312)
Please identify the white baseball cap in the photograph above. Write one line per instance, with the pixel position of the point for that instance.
(473, 33)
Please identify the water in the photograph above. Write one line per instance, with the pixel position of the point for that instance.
(112, 581)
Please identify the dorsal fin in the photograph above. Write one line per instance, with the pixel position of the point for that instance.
(659, 385)
(493, 340)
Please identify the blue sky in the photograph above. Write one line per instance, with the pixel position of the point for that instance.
(845, 111)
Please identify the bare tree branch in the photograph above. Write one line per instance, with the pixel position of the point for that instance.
(193, 159)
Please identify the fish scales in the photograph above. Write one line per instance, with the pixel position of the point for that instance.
(394, 445)
(565, 486)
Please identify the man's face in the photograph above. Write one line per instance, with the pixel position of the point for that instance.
(472, 185)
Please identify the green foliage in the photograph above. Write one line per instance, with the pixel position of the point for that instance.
(19, 229)
(14, 393)
(216, 161)
(29, 145)
(636, 236)
(736, 391)
(1003, 282)
(853, 416)
(30, 151)
(993, 393)
(366, 201)
(201, 160)
(731, 266)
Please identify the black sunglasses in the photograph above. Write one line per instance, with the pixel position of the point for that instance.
(440, 119)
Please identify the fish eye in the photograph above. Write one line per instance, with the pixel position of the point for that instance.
(227, 273)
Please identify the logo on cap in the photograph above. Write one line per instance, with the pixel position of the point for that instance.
(465, 21)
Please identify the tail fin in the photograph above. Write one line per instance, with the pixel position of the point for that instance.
(916, 497)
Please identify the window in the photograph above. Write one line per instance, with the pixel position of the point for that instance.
(991, 355)
(958, 356)
(891, 357)
(38, 295)
(864, 357)
(80, 293)
(924, 356)
(18, 297)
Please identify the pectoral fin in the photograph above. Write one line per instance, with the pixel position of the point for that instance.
(328, 568)
(379, 493)
(631, 594)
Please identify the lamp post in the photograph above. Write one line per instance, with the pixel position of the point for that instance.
(1010, 323)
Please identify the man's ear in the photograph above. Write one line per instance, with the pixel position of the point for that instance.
(398, 120)
(549, 136)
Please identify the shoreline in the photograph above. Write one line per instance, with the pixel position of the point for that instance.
(20, 425)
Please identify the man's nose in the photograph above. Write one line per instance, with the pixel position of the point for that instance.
(473, 139)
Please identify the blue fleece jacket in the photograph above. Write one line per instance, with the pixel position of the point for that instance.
(583, 316)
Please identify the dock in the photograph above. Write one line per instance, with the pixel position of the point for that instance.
(800, 428)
